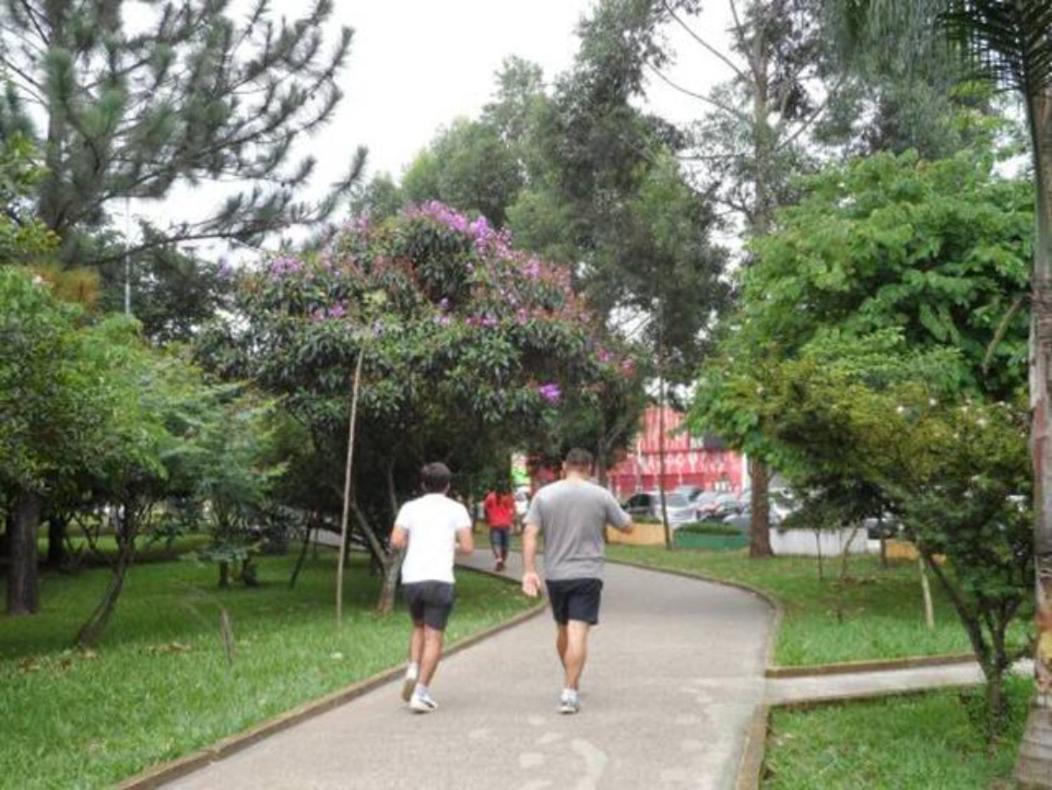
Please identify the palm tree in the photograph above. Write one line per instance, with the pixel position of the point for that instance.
(1010, 43)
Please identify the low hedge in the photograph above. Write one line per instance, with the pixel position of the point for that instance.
(709, 528)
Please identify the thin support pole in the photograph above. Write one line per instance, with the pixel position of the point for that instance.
(347, 487)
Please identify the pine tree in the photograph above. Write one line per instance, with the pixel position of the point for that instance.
(132, 99)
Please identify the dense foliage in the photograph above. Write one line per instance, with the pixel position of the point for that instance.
(469, 347)
(879, 318)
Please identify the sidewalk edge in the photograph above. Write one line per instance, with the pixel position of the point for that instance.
(876, 665)
(174, 769)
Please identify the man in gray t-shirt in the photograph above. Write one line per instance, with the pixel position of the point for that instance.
(572, 514)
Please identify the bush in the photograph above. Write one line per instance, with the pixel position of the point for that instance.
(709, 528)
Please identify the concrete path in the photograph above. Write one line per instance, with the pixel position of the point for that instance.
(849, 685)
(674, 676)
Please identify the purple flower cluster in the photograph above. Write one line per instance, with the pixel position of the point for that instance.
(486, 238)
(551, 392)
(284, 266)
(604, 355)
(442, 214)
(335, 312)
(487, 321)
(532, 269)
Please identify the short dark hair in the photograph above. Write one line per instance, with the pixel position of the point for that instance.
(579, 459)
(435, 477)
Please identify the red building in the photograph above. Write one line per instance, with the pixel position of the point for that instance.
(701, 461)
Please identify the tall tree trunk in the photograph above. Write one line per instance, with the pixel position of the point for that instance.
(392, 567)
(348, 476)
(56, 540)
(22, 583)
(759, 518)
(309, 524)
(759, 64)
(52, 211)
(1035, 757)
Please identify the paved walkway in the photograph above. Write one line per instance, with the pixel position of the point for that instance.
(674, 675)
(848, 685)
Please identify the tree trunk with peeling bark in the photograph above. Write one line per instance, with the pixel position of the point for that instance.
(22, 585)
(1035, 757)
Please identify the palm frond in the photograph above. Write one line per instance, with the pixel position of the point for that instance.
(1011, 40)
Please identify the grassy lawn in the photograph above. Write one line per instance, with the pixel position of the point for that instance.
(160, 684)
(877, 613)
(925, 740)
(156, 551)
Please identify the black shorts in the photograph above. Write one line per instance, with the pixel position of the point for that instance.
(575, 599)
(429, 603)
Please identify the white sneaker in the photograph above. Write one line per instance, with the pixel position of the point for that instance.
(408, 685)
(569, 705)
(419, 704)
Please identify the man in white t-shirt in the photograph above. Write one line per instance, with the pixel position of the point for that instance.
(433, 527)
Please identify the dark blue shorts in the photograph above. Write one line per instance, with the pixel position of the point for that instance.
(575, 599)
(429, 603)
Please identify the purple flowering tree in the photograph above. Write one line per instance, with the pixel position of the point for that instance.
(471, 349)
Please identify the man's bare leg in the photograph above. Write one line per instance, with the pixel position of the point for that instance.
(430, 655)
(416, 644)
(576, 653)
(560, 643)
(416, 649)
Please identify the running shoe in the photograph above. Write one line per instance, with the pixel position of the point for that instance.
(569, 705)
(420, 704)
(408, 684)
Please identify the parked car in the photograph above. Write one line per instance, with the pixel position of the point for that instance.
(690, 492)
(887, 526)
(718, 506)
(648, 505)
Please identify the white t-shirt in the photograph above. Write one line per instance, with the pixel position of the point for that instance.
(432, 522)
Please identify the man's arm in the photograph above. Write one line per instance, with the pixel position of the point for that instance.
(531, 582)
(618, 518)
(399, 538)
(465, 541)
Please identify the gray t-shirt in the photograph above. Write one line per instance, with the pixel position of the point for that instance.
(572, 515)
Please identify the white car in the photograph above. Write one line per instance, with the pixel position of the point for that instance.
(648, 505)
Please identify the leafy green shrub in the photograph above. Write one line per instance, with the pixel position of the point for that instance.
(709, 528)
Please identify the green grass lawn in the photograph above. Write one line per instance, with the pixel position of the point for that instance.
(146, 551)
(917, 741)
(160, 685)
(877, 613)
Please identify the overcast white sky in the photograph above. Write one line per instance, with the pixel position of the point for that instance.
(416, 65)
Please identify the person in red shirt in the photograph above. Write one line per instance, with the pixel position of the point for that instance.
(500, 516)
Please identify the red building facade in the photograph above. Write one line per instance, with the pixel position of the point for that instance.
(689, 460)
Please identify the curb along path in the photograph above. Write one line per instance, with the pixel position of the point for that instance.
(674, 678)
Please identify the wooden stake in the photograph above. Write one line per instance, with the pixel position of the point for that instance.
(347, 487)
